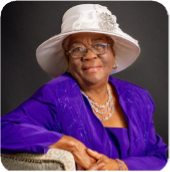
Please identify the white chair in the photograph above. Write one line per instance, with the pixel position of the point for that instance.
(54, 159)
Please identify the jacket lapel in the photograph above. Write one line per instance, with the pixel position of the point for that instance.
(132, 108)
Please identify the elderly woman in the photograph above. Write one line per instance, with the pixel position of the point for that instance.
(106, 123)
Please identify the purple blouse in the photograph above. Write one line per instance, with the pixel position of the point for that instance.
(58, 108)
(119, 142)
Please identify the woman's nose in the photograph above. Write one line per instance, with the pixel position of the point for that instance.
(89, 55)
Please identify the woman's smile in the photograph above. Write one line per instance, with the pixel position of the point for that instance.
(92, 68)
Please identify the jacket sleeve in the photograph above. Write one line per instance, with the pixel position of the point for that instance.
(155, 158)
(31, 126)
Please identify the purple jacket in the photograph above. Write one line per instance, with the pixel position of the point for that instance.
(58, 108)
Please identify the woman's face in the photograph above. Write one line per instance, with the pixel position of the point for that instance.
(92, 68)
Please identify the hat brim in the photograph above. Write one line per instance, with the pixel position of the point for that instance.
(50, 55)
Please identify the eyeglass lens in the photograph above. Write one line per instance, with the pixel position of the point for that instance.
(97, 49)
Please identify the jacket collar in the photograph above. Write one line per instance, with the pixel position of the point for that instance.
(117, 83)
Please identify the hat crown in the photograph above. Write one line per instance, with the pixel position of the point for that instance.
(88, 16)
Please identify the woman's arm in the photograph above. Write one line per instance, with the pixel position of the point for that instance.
(29, 128)
(155, 157)
(78, 150)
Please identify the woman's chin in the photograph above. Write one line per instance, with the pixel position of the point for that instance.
(93, 79)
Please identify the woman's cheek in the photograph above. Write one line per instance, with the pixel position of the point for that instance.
(108, 64)
(75, 68)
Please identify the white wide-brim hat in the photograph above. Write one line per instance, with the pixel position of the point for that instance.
(87, 18)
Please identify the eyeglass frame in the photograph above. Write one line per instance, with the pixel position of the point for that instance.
(108, 44)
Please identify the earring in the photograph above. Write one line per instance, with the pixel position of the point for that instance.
(115, 65)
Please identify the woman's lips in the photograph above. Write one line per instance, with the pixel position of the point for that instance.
(92, 69)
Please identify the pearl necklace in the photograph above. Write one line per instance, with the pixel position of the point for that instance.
(97, 107)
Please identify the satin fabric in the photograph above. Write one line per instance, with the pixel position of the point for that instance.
(119, 142)
(58, 108)
(87, 18)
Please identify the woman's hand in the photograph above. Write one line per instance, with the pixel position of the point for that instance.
(103, 162)
(78, 150)
(81, 157)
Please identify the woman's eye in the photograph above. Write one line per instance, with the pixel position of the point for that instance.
(77, 49)
(98, 45)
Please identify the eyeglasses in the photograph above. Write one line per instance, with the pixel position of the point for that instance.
(81, 51)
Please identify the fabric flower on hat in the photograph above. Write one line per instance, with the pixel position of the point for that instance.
(108, 21)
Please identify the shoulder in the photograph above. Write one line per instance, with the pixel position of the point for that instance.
(133, 92)
(56, 86)
(122, 84)
(63, 79)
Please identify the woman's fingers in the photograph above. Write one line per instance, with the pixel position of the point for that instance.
(94, 154)
(92, 160)
(97, 166)
(83, 161)
(80, 168)
(81, 156)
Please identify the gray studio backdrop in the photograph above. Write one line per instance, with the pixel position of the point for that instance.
(25, 25)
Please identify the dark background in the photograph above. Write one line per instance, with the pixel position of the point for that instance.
(25, 25)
